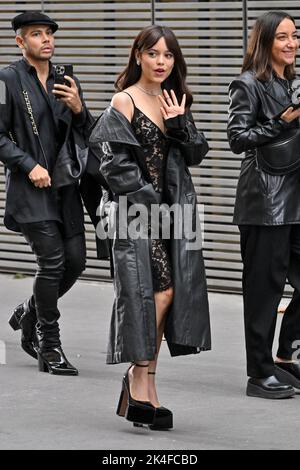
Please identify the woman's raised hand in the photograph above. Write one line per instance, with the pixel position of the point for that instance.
(169, 105)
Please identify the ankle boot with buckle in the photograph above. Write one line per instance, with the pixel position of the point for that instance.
(24, 318)
(138, 412)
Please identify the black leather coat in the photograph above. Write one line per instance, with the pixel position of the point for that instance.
(261, 198)
(133, 323)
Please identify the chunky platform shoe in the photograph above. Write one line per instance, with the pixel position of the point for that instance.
(163, 418)
(138, 412)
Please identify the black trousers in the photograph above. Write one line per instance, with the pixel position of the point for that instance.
(60, 262)
(270, 254)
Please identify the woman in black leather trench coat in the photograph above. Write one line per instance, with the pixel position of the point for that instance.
(148, 140)
(267, 207)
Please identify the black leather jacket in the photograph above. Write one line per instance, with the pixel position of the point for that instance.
(20, 152)
(261, 199)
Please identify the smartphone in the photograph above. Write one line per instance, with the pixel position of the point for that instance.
(290, 105)
(59, 71)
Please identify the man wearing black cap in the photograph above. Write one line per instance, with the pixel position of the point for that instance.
(39, 123)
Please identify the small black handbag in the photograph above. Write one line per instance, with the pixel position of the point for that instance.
(70, 163)
(282, 155)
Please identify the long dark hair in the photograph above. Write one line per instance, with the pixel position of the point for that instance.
(145, 40)
(259, 53)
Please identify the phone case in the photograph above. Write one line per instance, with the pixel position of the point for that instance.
(60, 71)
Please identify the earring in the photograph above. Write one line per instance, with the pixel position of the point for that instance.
(138, 62)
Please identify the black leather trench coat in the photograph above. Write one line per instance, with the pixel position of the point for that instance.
(133, 322)
(261, 198)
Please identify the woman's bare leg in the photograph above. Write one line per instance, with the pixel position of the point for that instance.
(142, 385)
(163, 301)
(138, 379)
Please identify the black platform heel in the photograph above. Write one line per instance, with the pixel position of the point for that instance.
(163, 418)
(138, 412)
(55, 362)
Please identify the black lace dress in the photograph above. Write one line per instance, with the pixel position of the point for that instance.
(155, 146)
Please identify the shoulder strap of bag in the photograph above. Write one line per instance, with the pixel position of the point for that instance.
(30, 113)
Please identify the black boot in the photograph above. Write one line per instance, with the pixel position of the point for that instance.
(55, 362)
(24, 318)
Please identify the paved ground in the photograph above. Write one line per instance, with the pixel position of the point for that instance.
(206, 391)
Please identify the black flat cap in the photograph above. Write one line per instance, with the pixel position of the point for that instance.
(33, 17)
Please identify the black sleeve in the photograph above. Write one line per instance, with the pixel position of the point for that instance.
(10, 154)
(176, 128)
(83, 120)
(244, 133)
(191, 142)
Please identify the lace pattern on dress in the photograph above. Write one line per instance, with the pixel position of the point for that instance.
(155, 147)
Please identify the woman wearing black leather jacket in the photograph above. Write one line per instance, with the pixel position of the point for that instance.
(149, 139)
(267, 207)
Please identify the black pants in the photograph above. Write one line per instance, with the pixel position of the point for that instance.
(60, 262)
(271, 254)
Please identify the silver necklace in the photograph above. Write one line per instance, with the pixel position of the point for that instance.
(151, 93)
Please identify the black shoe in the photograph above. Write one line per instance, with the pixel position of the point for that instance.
(138, 412)
(163, 419)
(24, 318)
(268, 387)
(288, 372)
(55, 362)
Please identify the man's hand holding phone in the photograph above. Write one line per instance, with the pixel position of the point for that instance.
(67, 93)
